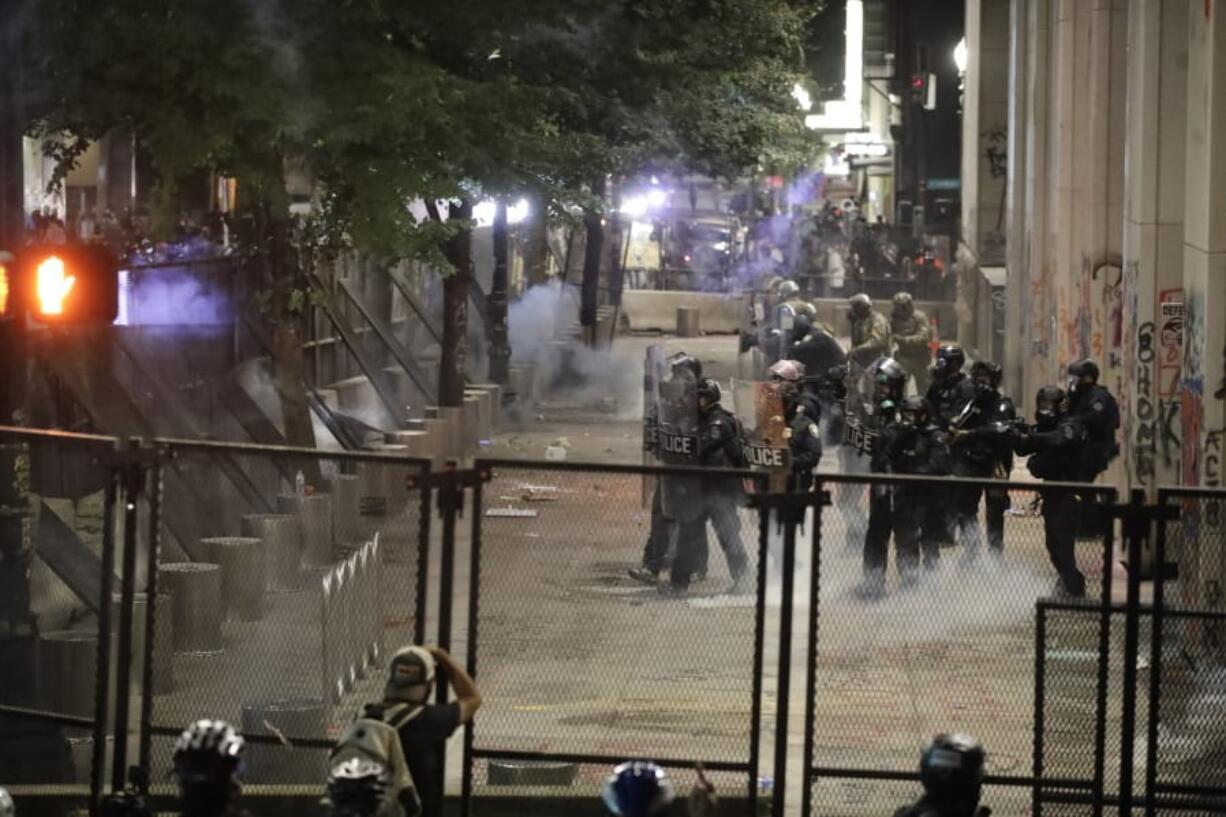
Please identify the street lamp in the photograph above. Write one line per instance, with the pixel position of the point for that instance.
(960, 56)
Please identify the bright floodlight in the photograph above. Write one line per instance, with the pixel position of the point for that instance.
(634, 206)
(960, 56)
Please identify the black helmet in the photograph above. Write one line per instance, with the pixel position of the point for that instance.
(985, 376)
(637, 789)
(357, 787)
(950, 359)
(951, 770)
(208, 751)
(889, 380)
(683, 362)
(914, 410)
(1084, 368)
(802, 325)
(1049, 404)
(709, 390)
(1080, 373)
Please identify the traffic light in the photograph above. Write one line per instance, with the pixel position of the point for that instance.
(8, 304)
(69, 283)
(924, 90)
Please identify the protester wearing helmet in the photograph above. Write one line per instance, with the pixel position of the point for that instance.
(1098, 412)
(951, 771)
(802, 413)
(983, 449)
(951, 389)
(912, 334)
(870, 332)
(637, 789)
(7, 809)
(915, 446)
(424, 727)
(719, 447)
(208, 765)
(1056, 445)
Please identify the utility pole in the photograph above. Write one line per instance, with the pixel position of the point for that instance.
(496, 304)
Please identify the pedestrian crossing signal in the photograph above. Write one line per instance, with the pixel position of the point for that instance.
(70, 283)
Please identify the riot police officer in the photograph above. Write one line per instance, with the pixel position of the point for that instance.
(889, 385)
(951, 389)
(1057, 448)
(916, 445)
(951, 771)
(1098, 412)
(982, 448)
(801, 412)
(814, 346)
(912, 335)
(870, 332)
(719, 446)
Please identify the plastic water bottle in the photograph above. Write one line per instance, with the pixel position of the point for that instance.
(300, 484)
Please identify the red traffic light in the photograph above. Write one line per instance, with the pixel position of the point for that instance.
(917, 81)
(69, 283)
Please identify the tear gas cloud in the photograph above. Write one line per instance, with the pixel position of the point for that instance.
(570, 370)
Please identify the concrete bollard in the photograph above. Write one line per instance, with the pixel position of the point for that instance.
(314, 515)
(688, 324)
(282, 549)
(242, 574)
(472, 423)
(346, 508)
(163, 642)
(67, 669)
(194, 589)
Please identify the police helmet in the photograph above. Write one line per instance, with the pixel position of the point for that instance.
(709, 390)
(801, 326)
(681, 362)
(860, 304)
(788, 289)
(7, 809)
(807, 309)
(410, 676)
(637, 789)
(791, 371)
(357, 787)
(914, 409)
(208, 752)
(904, 304)
(950, 359)
(1050, 403)
(889, 379)
(1081, 372)
(986, 376)
(951, 769)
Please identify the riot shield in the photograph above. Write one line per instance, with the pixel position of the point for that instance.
(677, 442)
(859, 427)
(653, 370)
(759, 408)
(750, 360)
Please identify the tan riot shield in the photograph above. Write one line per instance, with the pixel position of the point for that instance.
(653, 371)
(759, 408)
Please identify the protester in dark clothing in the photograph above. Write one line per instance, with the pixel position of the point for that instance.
(916, 446)
(424, 728)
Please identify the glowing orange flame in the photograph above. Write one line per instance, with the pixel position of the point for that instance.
(4, 290)
(53, 285)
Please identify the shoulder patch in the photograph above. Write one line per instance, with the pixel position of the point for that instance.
(1098, 405)
(813, 430)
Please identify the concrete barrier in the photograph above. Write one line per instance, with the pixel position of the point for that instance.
(495, 404)
(282, 548)
(346, 508)
(242, 574)
(194, 589)
(314, 515)
(646, 310)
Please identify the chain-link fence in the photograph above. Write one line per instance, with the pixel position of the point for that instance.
(926, 624)
(582, 665)
(278, 577)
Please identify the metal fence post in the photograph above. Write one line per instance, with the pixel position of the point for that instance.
(1104, 659)
(779, 793)
(154, 488)
(815, 573)
(1040, 698)
(423, 559)
(1156, 638)
(474, 609)
(1135, 524)
(103, 673)
(759, 649)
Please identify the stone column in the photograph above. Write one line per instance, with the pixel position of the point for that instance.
(1152, 284)
(1204, 282)
(985, 123)
(1017, 287)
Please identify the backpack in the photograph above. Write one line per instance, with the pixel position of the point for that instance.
(375, 736)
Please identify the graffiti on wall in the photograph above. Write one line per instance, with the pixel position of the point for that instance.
(1113, 308)
(1192, 385)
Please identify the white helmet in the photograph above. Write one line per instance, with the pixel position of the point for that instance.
(410, 675)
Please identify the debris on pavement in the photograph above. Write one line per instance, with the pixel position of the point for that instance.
(511, 513)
